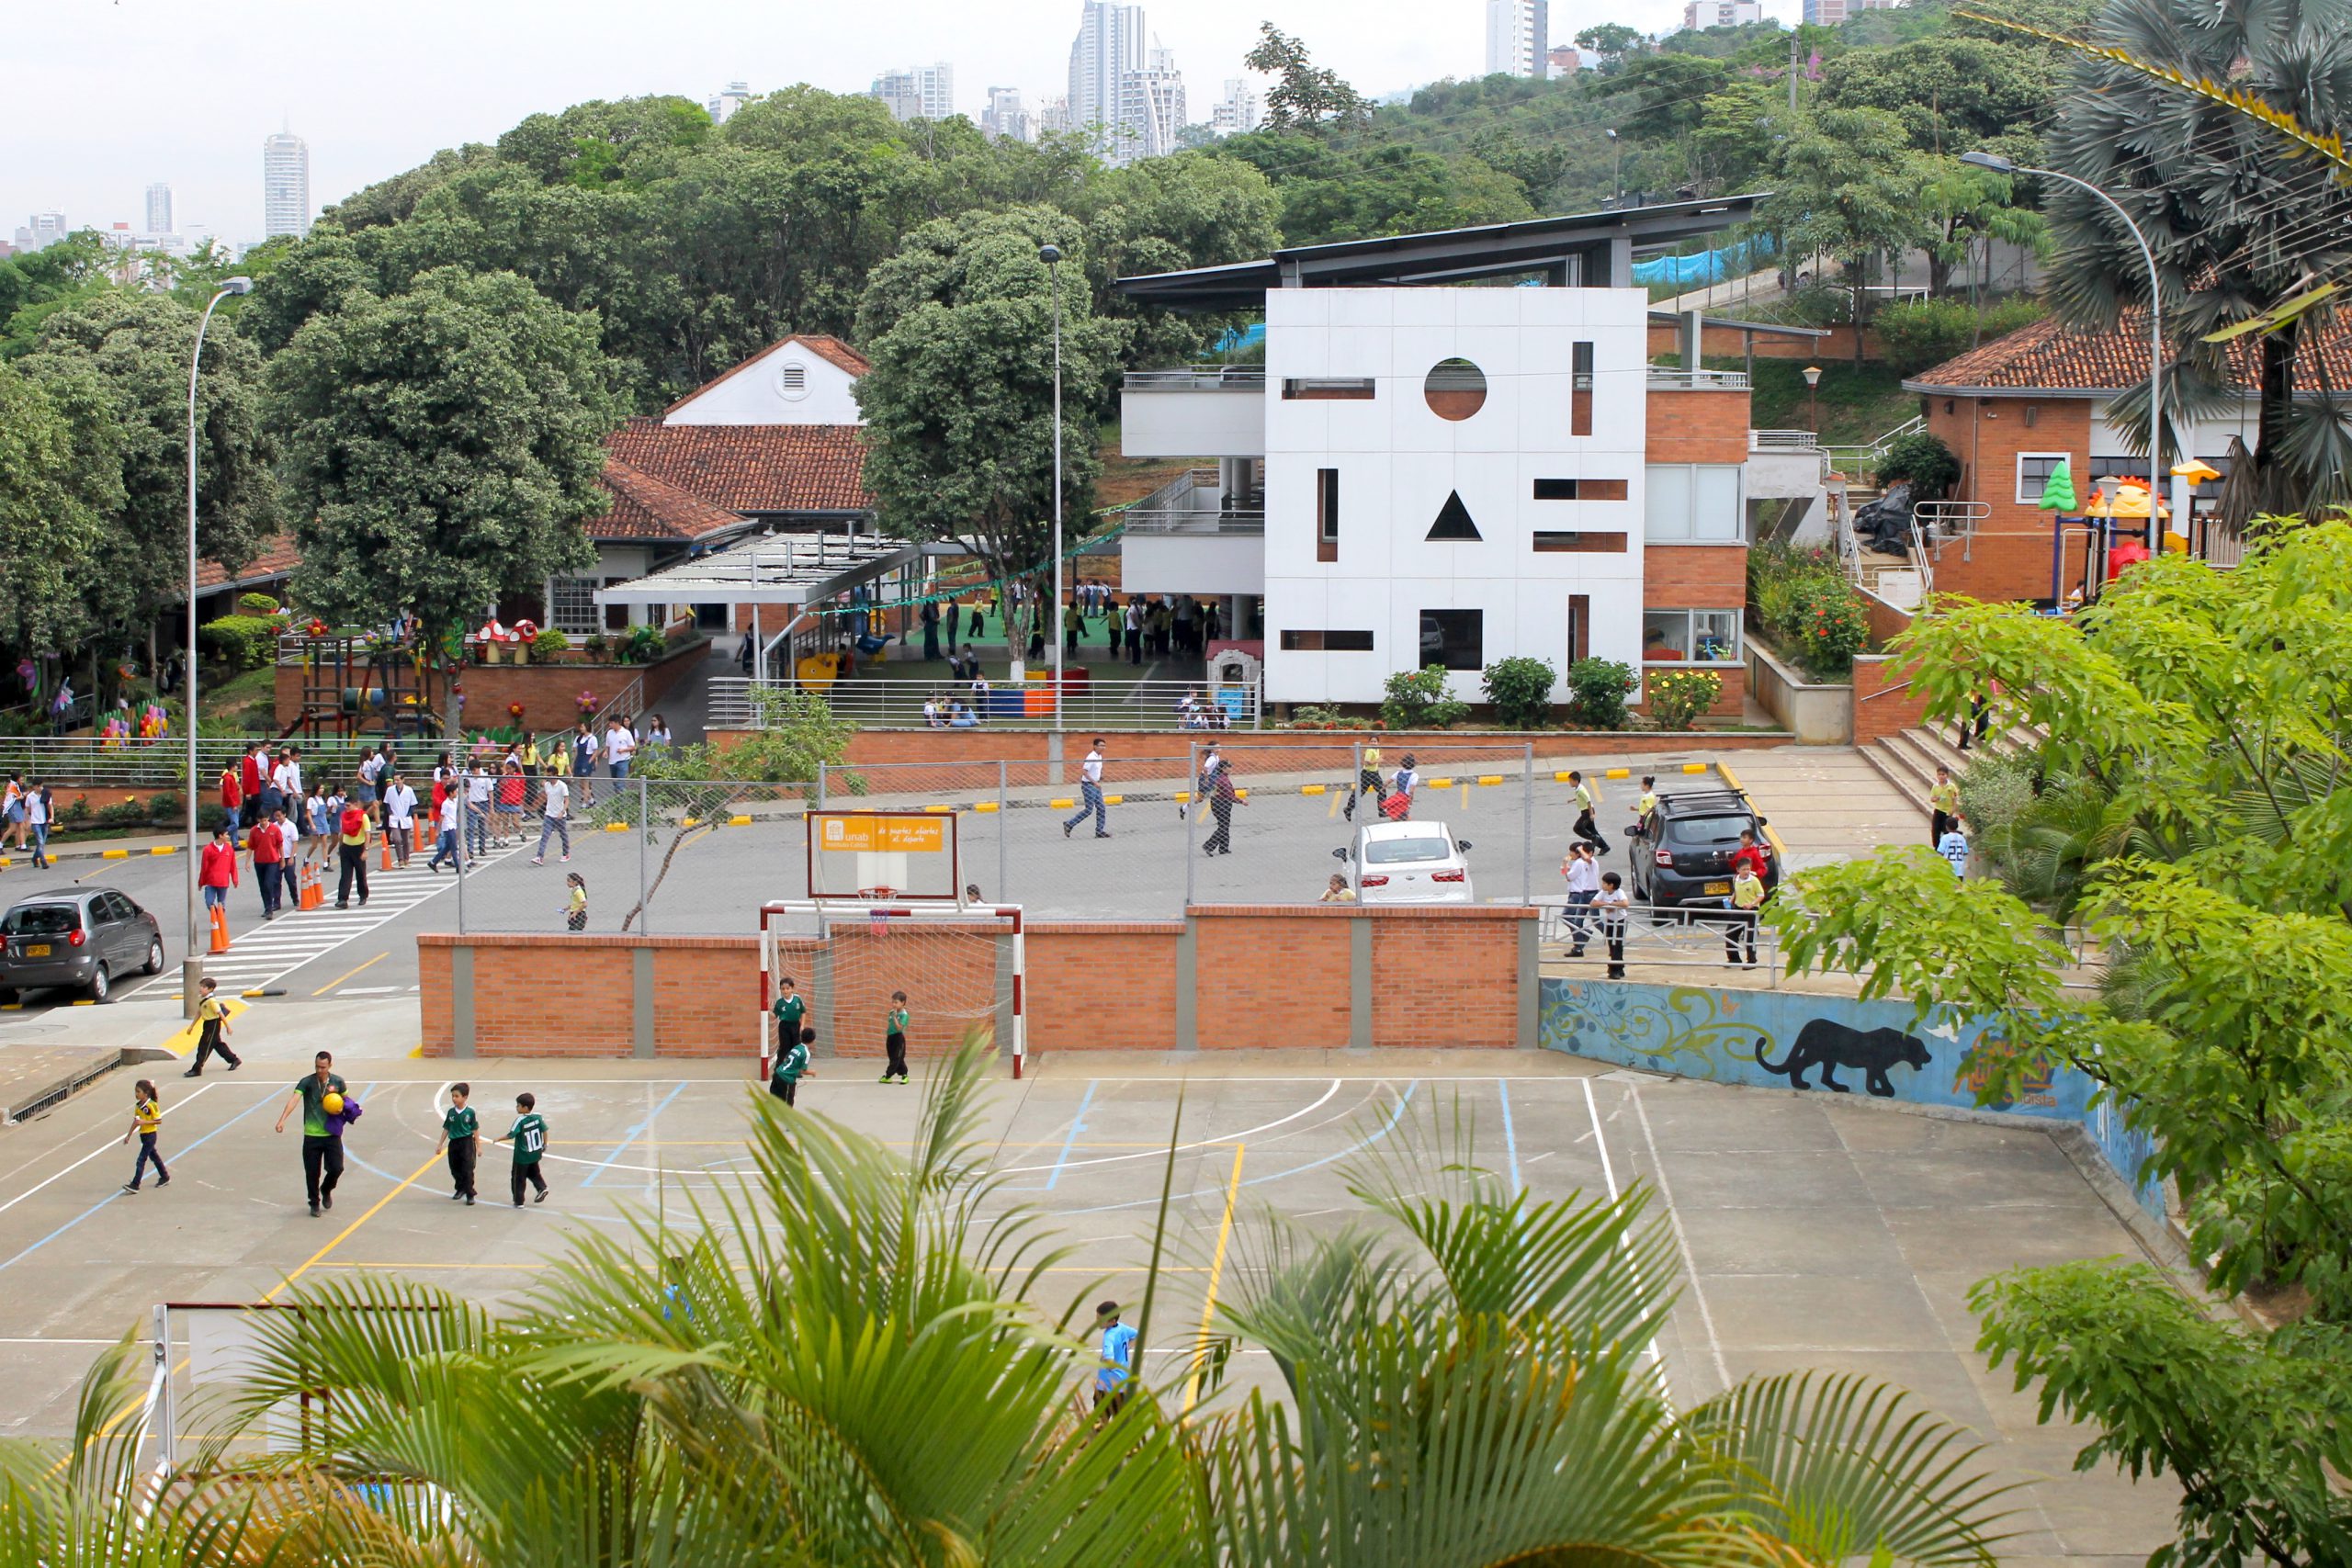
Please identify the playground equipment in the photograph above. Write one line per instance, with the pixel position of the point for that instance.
(354, 684)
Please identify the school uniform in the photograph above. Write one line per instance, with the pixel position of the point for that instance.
(460, 1124)
(530, 1136)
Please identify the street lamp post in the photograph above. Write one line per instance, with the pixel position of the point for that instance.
(1616, 170)
(1812, 401)
(2001, 166)
(192, 962)
(1051, 255)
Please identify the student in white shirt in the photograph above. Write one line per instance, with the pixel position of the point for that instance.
(288, 774)
(1090, 786)
(479, 786)
(555, 817)
(620, 745)
(447, 849)
(399, 819)
(1612, 902)
(1583, 872)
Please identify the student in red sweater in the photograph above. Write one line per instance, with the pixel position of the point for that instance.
(218, 872)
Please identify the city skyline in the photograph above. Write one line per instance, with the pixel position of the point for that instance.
(379, 92)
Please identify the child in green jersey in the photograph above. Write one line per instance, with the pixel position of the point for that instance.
(530, 1136)
(461, 1131)
(894, 1039)
(792, 1066)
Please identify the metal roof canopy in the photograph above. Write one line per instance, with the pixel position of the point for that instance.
(773, 568)
(1586, 249)
(1769, 329)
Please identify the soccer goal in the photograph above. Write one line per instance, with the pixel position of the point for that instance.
(961, 967)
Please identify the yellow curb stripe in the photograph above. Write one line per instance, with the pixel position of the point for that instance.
(162, 849)
(1490, 778)
(114, 854)
(1314, 789)
(1607, 773)
(1694, 767)
(1216, 1272)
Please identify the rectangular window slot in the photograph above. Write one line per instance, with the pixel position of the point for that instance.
(1581, 490)
(1327, 389)
(1581, 396)
(1567, 542)
(1327, 642)
(1326, 514)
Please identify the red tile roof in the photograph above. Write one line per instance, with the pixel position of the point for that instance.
(2049, 356)
(751, 468)
(830, 349)
(648, 508)
(276, 558)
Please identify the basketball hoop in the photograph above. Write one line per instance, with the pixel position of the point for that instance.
(877, 893)
(877, 924)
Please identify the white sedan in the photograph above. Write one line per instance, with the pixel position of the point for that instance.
(1407, 862)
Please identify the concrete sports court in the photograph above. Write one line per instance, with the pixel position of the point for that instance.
(1813, 1232)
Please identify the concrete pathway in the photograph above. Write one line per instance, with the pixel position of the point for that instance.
(1827, 803)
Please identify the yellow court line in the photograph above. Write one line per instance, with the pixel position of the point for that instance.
(1217, 1272)
(330, 985)
(320, 1256)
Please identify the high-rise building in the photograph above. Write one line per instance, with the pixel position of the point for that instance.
(1239, 111)
(1054, 117)
(722, 108)
(1829, 12)
(1516, 41)
(1007, 117)
(285, 184)
(45, 230)
(1124, 89)
(920, 92)
(1701, 14)
(159, 209)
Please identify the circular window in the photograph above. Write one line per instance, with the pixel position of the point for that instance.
(792, 380)
(1455, 388)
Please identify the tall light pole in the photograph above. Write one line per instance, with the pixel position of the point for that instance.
(1616, 170)
(1051, 255)
(1811, 373)
(2001, 166)
(192, 962)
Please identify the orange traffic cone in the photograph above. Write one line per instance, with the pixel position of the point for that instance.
(386, 863)
(309, 897)
(423, 843)
(219, 930)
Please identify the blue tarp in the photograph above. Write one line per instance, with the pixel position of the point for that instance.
(1707, 266)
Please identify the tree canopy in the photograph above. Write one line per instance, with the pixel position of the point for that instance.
(443, 444)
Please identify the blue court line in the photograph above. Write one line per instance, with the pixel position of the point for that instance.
(119, 1192)
(1510, 1139)
(1357, 1146)
(634, 1133)
(1077, 1125)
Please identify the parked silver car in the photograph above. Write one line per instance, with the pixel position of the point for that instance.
(1408, 862)
(83, 938)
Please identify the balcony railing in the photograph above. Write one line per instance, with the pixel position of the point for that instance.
(1667, 378)
(1199, 378)
(1171, 519)
(1121, 704)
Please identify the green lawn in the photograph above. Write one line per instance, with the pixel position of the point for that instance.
(1856, 404)
(243, 703)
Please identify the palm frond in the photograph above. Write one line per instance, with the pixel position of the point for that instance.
(1846, 1467)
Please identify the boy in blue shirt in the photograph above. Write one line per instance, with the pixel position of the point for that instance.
(1115, 1382)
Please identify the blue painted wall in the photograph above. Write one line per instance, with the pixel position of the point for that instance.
(1772, 1039)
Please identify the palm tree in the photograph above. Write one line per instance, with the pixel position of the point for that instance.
(834, 1362)
(2238, 221)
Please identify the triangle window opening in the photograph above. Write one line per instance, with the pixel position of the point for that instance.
(1453, 520)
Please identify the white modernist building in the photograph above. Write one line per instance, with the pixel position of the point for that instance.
(285, 184)
(1435, 467)
(1517, 38)
(1125, 88)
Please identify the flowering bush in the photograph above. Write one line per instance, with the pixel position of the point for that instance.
(1678, 697)
(1831, 628)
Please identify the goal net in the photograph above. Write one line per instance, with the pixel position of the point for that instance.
(960, 965)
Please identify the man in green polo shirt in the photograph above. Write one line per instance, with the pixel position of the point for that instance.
(322, 1137)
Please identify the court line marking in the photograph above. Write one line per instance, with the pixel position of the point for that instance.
(1203, 1144)
(1356, 1146)
(633, 1134)
(313, 1261)
(1674, 1219)
(119, 1192)
(1216, 1273)
(1077, 1125)
(111, 1144)
(330, 985)
(1609, 1176)
(1510, 1138)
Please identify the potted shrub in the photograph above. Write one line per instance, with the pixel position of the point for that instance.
(598, 647)
(549, 643)
(1596, 692)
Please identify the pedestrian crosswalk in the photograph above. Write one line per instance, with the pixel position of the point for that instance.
(266, 951)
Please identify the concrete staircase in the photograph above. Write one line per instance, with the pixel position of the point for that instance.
(1908, 759)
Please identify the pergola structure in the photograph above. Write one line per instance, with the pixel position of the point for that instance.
(789, 573)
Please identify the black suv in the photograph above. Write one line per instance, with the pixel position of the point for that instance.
(1688, 860)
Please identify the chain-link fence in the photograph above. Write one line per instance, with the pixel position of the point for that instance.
(676, 858)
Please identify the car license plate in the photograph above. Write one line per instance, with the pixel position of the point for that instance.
(1718, 887)
(36, 950)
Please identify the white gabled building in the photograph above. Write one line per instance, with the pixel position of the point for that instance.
(1435, 468)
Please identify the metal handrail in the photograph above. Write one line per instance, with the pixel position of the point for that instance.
(1782, 441)
(1655, 935)
(1198, 378)
(1183, 520)
(1672, 378)
(1120, 704)
(1947, 522)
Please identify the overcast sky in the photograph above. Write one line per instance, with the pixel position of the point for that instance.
(99, 98)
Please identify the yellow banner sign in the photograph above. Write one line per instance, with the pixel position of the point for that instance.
(882, 835)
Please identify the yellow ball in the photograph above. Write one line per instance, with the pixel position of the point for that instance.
(332, 1104)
